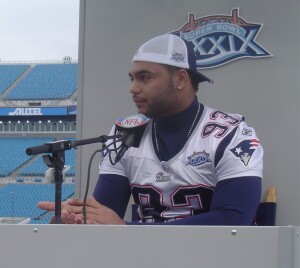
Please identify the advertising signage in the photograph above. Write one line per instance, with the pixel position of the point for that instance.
(33, 111)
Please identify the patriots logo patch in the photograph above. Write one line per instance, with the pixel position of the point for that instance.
(245, 149)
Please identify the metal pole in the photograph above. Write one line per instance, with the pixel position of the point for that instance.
(12, 206)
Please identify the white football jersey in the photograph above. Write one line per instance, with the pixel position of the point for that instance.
(220, 147)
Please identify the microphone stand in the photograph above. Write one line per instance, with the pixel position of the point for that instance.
(57, 161)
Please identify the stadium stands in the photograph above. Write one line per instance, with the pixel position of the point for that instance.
(49, 88)
(36, 168)
(20, 200)
(46, 82)
(13, 153)
(9, 74)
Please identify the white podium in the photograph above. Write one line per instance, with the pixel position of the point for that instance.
(43, 246)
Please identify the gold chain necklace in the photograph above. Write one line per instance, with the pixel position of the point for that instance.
(187, 136)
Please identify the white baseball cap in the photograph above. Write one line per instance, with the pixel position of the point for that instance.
(171, 50)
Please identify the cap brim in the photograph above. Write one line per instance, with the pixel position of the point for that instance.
(201, 77)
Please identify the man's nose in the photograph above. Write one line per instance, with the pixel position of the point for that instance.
(134, 88)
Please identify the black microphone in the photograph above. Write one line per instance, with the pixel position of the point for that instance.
(55, 146)
(133, 128)
(127, 143)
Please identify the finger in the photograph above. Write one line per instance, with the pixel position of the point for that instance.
(46, 205)
(74, 209)
(75, 202)
(64, 216)
(52, 220)
(89, 220)
(71, 218)
(91, 201)
(76, 205)
(75, 219)
(79, 221)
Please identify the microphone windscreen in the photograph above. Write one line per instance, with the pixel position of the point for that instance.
(133, 124)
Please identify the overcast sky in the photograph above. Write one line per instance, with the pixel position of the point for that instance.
(34, 30)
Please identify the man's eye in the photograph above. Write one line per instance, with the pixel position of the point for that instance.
(145, 77)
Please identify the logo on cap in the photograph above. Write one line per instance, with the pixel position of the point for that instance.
(177, 57)
(219, 39)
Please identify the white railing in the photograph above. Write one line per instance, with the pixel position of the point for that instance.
(38, 62)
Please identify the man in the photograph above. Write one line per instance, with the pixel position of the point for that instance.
(194, 164)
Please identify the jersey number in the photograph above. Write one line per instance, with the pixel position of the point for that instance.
(185, 201)
(218, 128)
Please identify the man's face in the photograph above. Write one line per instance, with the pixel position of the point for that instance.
(153, 89)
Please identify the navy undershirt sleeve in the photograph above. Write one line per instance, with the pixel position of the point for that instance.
(234, 202)
(113, 191)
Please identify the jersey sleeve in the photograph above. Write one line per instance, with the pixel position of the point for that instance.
(241, 155)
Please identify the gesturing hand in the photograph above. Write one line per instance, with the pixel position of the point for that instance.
(72, 209)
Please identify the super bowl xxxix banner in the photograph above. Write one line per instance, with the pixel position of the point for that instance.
(219, 39)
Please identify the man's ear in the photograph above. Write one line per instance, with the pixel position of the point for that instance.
(181, 77)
